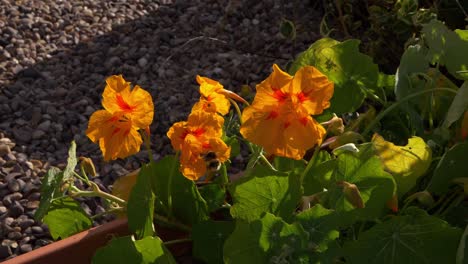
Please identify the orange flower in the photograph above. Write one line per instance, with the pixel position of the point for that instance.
(212, 98)
(279, 118)
(136, 104)
(126, 111)
(116, 135)
(195, 138)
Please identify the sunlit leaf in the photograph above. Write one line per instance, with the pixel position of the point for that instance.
(265, 191)
(65, 218)
(49, 188)
(405, 163)
(364, 170)
(309, 57)
(411, 238)
(452, 165)
(266, 240)
(458, 106)
(71, 162)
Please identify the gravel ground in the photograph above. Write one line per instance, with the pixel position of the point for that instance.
(55, 56)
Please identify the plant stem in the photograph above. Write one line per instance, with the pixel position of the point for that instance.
(397, 104)
(176, 241)
(169, 185)
(96, 192)
(224, 175)
(112, 210)
(170, 223)
(147, 140)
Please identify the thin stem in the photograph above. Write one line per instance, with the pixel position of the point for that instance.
(311, 162)
(170, 223)
(397, 104)
(96, 192)
(85, 176)
(236, 106)
(147, 140)
(112, 210)
(169, 185)
(176, 241)
(224, 175)
(81, 178)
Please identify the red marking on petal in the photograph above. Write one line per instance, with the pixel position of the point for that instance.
(198, 132)
(184, 135)
(279, 95)
(304, 120)
(209, 98)
(124, 105)
(287, 124)
(272, 115)
(206, 145)
(116, 130)
(113, 119)
(302, 97)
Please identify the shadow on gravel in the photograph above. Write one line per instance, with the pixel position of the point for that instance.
(48, 104)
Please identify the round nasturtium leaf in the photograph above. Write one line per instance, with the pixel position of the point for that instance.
(405, 163)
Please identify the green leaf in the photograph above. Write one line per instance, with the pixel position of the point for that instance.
(71, 162)
(412, 61)
(309, 56)
(208, 240)
(452, 165)
(447, 47)
(153, 250)
(187, 204)
(462, 251)
(412, 238)
(266, 240)
(234, 144)
(287, 164)
(405, 163)
(124, 250)
(50, 184)
(121, 250)
(214, 196)
(320, 174)
(458, 107)
(66, 218)
(140, 207)
(265, 191)
(321, 224)
(364, 170)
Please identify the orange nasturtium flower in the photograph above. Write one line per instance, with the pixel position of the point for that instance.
(279, 119)
(126, 111)
(197, 138)
(212, 98)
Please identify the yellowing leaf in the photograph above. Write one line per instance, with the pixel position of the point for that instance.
(123, 185)
(405, 163)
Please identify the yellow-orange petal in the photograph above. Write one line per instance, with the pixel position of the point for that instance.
(116, 135)
(303, 133)
(312, 89)
(273, 89)
(204, 105)
(208, 86)
(177, 134)
(136, 104)
(207, 124)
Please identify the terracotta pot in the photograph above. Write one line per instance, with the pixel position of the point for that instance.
(80, 248)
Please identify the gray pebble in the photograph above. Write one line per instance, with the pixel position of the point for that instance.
(8, 199)
(16, 209)
(26, 248)
(15, 235)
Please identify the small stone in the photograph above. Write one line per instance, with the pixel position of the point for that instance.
(37, 134)
(42, 242)
(26, 223)
(44, 126)
(32, 204)
(8, 199)
(142, 62)
(5, 251)
(3, 210)
(15, 235)
(37, 230)
(4, 149)
(14, 185)
(16, 209)
(26, 248)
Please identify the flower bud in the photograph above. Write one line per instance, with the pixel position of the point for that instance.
(335, 125)
(352, 194)
(88, 166)
(424, 197)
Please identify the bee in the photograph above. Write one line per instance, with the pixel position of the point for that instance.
(212, 162)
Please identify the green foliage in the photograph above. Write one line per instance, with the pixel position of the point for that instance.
(208, 240)
(149, 250)
(265, 191)
(266, 240)
(414, 237)
(65, 217)
(49, 188)
(375, 185)
(140, 207)
(187, 203)
(452, 165)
